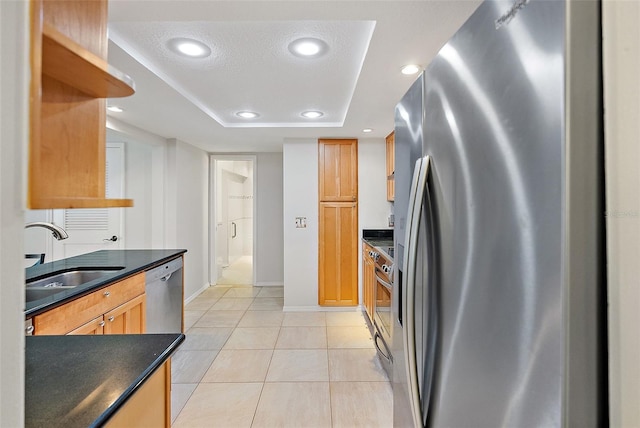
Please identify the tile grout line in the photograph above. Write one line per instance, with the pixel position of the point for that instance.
(281, 326)
(212, 361)
(264, 381)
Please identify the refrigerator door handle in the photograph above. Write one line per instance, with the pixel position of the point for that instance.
(416, 197)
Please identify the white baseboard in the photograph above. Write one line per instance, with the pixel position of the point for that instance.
(269, 284)
(196, 294)
(317, 308)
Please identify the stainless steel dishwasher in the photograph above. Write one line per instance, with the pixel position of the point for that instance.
(164, 298)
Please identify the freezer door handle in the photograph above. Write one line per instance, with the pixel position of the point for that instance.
(418, 187)
(421, 242)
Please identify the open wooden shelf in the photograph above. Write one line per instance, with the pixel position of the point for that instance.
(68, 62)
(70, 83)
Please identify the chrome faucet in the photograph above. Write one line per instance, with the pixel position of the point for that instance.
(58, 232)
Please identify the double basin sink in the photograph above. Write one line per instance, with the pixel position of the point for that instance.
(57, 282)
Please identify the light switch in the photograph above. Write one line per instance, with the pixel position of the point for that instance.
(301, 222)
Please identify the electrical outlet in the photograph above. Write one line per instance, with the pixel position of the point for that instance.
(301, 222)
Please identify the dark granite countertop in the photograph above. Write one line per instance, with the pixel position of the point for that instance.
(381, 239)
(81, 381)
(131, 261)
(378, 242)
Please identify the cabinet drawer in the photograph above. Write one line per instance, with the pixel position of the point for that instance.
(95, 326)
(69, 316)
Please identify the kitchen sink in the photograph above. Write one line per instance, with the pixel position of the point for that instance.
(65, 280)
(40, 292)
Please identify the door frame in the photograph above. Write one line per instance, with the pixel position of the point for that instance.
(213, 270)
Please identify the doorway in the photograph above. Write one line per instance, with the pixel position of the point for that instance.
(233, 220)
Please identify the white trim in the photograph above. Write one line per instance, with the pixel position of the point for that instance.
(196, 294)
(269, 284)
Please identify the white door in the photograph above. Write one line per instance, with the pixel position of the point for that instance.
(95, 229)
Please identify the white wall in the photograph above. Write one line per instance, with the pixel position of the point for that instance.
(621, 38)
(269, 233)
(300, 165)
(301, 200)
(37, 240)
(187, 207)
(138, 186)
(14, 115)
(372, 184)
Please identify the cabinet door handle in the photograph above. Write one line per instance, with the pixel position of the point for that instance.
(111, 319)
(101, 323)
(107, 293)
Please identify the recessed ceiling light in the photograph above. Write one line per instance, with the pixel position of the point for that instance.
(312, 114)
(247, 114)
(115, 109)
(189, 47)
(308, 47)
(367, 130)
(410, 69)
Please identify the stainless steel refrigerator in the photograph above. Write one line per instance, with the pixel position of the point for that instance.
(499, 299)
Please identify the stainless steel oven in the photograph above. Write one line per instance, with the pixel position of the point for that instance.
(382, 319)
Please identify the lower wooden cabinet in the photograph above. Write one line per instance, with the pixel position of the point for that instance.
(118, 308)
(128, 318)
(368, 280)
(95, 326)
(338, 258)
(150, 405)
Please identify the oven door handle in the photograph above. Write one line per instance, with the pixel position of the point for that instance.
(377, 336)
(382, 281)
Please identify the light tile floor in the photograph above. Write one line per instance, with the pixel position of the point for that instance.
(245, 363)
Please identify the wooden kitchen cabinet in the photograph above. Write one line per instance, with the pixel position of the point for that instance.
(338, 170)
(128, 318)
(368, 279)
(70, 81)
(338, 258)
(95, 326)
(150, 405)
(338, 222)
(124, 300)
(391, 162)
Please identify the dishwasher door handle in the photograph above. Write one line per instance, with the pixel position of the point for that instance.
(166, 278)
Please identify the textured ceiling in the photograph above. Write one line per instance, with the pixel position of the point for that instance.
(251, 68)
(357, 83)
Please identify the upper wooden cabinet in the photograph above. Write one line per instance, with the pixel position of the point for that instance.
(338, 167)
(391, 167)
(70, 81)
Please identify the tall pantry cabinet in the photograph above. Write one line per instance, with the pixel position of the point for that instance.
(338, 222)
